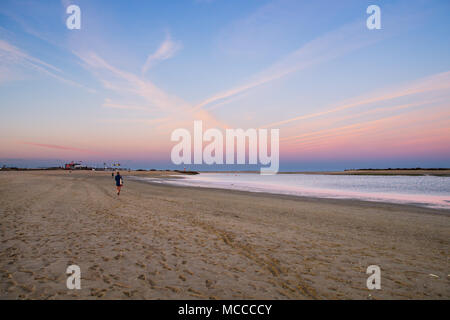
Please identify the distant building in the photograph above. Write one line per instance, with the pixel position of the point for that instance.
(72, 166)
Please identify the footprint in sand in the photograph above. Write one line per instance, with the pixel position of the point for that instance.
(142, 277)
(210, 283)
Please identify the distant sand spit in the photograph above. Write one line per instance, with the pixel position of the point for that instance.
(165, 242)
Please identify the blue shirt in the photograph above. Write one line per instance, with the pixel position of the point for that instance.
(118, 177)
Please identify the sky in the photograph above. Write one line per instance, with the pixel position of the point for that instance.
(342, 96)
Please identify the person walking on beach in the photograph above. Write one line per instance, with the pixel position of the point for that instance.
(119, 182)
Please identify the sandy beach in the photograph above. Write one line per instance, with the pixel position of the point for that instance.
(167, 242)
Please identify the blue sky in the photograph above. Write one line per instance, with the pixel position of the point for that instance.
(136, 70)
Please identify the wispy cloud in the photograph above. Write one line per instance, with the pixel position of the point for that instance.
(53, 146)
(11, 55)
(110, 104)
(124, 82)
(365, 126)
(7, 50)
(170, 111)
(166, 50)
(431, 83)
(394, 133)
(325, 48)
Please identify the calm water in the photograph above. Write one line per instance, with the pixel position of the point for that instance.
(425, 191)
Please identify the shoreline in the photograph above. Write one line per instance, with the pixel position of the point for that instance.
(336, 201)
(374, 172)
(275, 194)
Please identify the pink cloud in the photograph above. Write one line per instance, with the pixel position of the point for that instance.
(53, 146)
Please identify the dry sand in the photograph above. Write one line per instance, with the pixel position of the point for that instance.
(164, 242)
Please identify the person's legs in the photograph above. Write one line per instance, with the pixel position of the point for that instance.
(118, 190)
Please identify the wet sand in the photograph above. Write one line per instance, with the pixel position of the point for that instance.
(361, 172)
(165, 242)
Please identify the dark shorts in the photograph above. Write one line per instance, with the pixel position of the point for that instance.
(118, 185)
